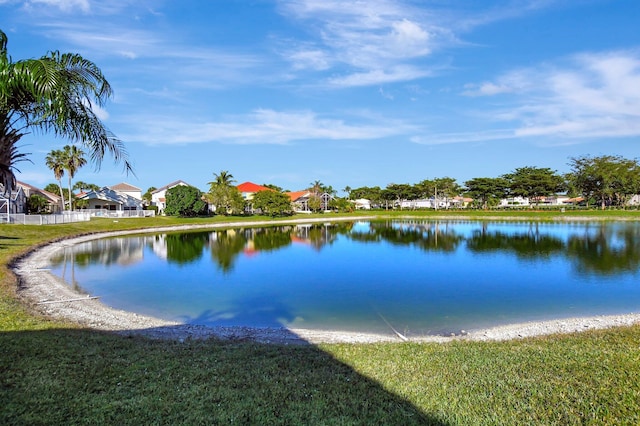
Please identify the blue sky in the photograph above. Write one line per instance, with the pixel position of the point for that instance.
(357, 93)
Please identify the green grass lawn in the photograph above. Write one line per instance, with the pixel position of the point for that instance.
(56, 373)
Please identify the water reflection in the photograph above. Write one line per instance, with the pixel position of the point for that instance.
(526, 244)
(428, 236)
(422, 275)
(605, 250)
(600, 248)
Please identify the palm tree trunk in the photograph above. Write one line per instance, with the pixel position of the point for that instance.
(70, 207)
(61, 193)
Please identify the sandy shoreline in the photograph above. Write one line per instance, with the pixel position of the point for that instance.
(52, 297)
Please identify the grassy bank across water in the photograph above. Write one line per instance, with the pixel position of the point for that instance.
(51, 372)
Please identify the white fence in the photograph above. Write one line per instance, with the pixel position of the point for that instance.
(45, 219)
(70, 217)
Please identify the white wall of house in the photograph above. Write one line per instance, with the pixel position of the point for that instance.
(362, 204)
(417, 204)
(514, 202)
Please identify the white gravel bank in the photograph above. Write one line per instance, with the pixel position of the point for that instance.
(51, 296)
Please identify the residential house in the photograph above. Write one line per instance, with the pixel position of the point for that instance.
(300, 201)
(248, 190)
(515, 202)
(436, 203)
(54, 202)
(107, 199)
(362, 204)
(159, 196)
(460, 202)
(14, 202)
(428, 203)
(125, 188)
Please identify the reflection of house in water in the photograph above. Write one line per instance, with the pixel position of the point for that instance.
(121, 251)
(158, 244)
(316, 235)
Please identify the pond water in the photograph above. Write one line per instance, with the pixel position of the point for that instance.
(418, 277)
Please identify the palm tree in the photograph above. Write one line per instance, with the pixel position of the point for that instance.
(55, 161)
(9, 156)
(73, 160)
(84, 186)
(54, 93)
(224, 178)
(347, 190)
(316, 187)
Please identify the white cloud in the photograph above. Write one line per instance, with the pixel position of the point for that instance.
(375, 41)
(590, 95)
(464, 137)
(314, 59)
(379, 76)
(262, 126)
(64, 5)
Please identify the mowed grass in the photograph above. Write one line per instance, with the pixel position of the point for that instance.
(57, 373)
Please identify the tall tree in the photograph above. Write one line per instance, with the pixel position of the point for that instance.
(534, 182)
(9, 156)
(146, 197)
(608, 179)
(84, 186)
(73, 160)
(225, 197)
(55, 93)
(272, 203)
(316, 188)
(223, 178)
(446, 187)
(486, 190)
(184, 201)
(347, 190)
(55, 161)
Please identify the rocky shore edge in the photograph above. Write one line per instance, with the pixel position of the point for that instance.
(52, 297)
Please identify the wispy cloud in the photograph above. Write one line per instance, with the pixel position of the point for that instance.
(374, 42)
(64, 5)
(377, 41)
(262, 126)
(464, 137)
(590, 95)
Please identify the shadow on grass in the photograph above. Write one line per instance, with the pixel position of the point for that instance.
(78, 376)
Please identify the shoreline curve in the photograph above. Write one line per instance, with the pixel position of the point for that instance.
(51, 296)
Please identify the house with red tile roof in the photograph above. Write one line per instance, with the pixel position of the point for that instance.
(300, 200)
(249, 189)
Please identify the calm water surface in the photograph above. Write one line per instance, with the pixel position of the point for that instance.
(420, 277)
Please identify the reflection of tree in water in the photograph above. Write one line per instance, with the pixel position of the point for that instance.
(270, 239)
(226, 246)
(608, 251)
(185, 247)
(428, 236)
(531, 244)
